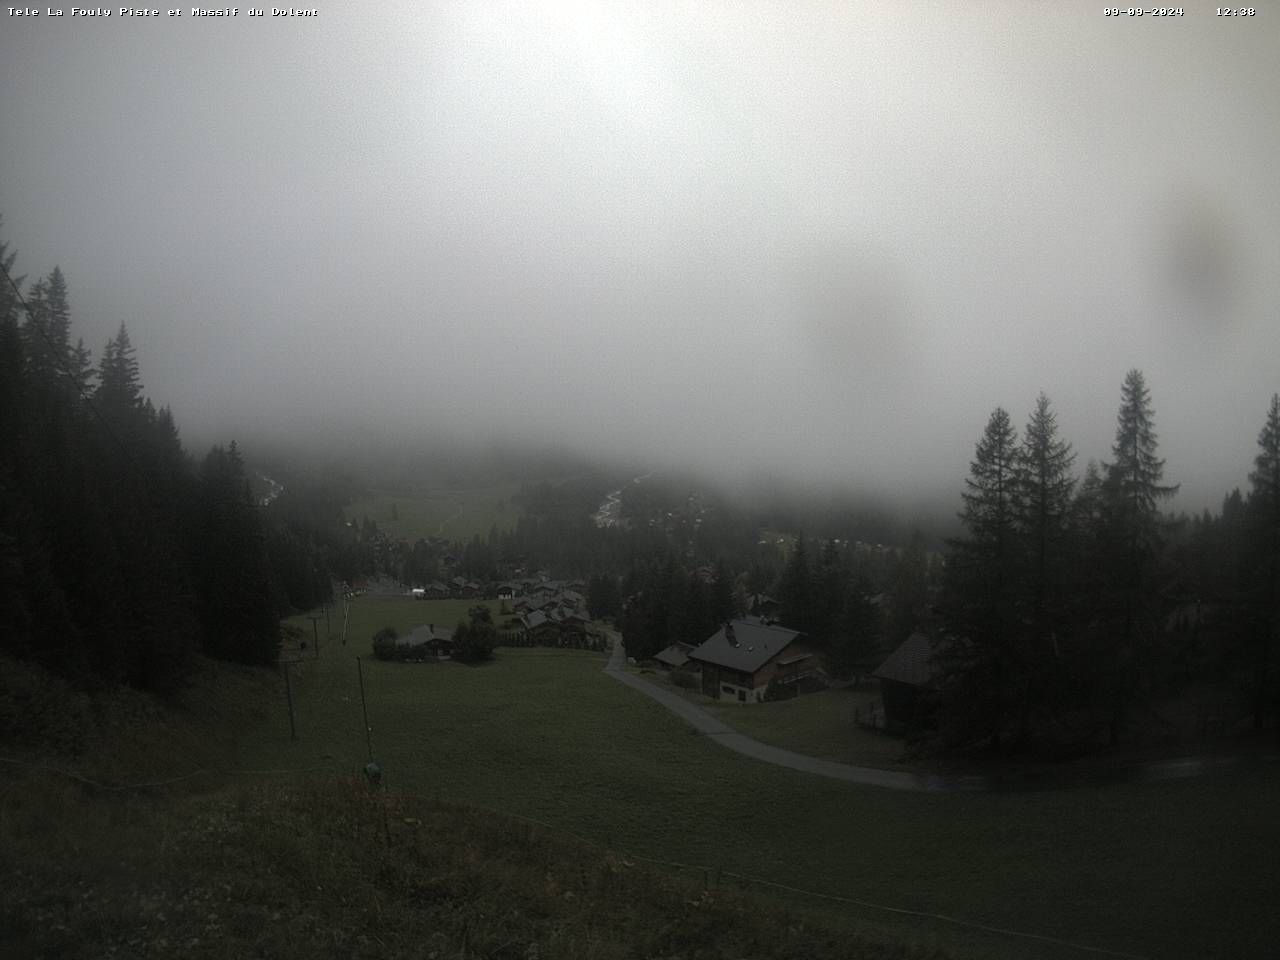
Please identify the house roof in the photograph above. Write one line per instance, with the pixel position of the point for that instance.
(425, 633)
(755, 645)
(676, 655)
(911, 663)
(535, 619)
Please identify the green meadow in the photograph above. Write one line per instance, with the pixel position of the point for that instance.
(1171, 869)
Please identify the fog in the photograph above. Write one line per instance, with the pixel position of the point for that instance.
(816, 240)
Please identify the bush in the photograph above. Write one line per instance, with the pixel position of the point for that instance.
(475, 642)
(384, 644)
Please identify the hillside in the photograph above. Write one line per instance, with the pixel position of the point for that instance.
(505, 766)
(228, 863)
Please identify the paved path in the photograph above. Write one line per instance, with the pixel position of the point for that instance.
(727, 737)
(722, 734)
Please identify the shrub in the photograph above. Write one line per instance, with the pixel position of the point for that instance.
(475, 642)
(384, 644)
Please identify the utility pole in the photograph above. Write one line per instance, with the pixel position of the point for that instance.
(288, 690)
(372, 770)
(346, 615)
(315, 633)
(328, 631)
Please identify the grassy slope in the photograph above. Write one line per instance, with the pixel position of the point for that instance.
(440, 512)
(305, 870)
(229, 864)
(1182, 869)
(1169, 869)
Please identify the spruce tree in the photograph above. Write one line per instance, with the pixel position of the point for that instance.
(1045, 488)
(983, 667)
(795, 590)
(1043, 502)
(1264, 509)
(1133, 542)
(1136, 472)
(119, 383)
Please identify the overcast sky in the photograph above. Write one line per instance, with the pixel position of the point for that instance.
(826, 238)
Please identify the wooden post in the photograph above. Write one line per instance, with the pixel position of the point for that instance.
(364, 708)
(288, 691)
(315, 633)
(328, 630)
(346, 615)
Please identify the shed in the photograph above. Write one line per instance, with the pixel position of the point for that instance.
(909, 683)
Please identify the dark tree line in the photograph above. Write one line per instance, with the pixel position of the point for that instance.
(1071, 603)
(841, 601)
(667, 602)
(120, 556)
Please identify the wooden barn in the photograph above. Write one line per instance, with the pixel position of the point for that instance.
(909, 685)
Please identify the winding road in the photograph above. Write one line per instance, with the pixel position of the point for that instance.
(730, 739)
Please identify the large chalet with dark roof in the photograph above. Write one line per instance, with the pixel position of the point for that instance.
(740, 659)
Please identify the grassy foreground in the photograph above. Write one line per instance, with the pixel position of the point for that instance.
(328, 869)
(1174, 869)
(1178, 869)
(228, 862)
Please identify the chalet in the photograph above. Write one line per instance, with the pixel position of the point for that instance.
(457, 585)
(742, 657)
(909, 684)
(539, 628)
(573, 623)
(437, 590)
(427, 640)
(537, 601)
(418, 593)
(507, 591)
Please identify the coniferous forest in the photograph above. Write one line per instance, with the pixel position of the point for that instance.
(1070, 605)
(122, 554)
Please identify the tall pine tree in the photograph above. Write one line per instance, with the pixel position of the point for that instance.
(1133, 541)
(1045, 488)
(1264, 508)
(983, 667)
